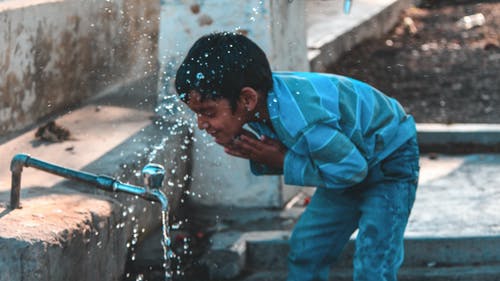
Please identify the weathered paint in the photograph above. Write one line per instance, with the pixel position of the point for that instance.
(56, 54)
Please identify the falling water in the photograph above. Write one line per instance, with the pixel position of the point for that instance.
(166, 243)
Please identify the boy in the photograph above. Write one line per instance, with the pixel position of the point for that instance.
(356, 145)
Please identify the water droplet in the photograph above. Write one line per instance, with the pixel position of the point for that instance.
(131, 208)
(200, 76)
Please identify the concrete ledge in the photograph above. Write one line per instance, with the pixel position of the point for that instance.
(70, 231)
(459, 138)
(439, 134)
(463, 273)
(229, 252)
(226, 257)
(331, 33)
(268, 250)
(458, 133)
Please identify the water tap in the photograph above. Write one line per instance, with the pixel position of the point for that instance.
(153, 178)
(153, 175)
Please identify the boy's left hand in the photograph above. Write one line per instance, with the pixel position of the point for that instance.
(265, 150)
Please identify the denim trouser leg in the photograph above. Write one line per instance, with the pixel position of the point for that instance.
(379, 244)
(320, 236)
(379, 207)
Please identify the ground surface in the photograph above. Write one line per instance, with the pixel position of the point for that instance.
(439, 71)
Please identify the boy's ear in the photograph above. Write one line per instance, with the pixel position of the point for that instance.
(249, 98)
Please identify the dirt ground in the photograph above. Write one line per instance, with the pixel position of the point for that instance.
(439, 71)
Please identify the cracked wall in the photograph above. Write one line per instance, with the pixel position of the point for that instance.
(56, 54)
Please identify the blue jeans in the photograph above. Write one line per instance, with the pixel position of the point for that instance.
(379, 207)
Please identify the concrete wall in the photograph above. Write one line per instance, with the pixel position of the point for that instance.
(55, 54)
(278, 27)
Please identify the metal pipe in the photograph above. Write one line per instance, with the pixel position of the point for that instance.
(151, 193)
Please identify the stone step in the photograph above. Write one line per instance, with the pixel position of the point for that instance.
(232, 253)
(268, 250)
(459, 138)
(456, 273)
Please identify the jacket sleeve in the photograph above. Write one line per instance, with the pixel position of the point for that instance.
(324, 157)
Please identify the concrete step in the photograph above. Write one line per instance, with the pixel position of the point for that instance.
(234, 253)
(268, 250)
(262, 255)
(460, 273)
(67, 230)
(459, 138)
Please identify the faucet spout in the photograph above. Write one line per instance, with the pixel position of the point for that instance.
(153, 175)
(161, 198)
(100, 181)
(155, 195)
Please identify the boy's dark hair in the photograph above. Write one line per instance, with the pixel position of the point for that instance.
(219, 65)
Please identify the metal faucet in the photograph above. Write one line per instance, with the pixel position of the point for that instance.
(153, 175)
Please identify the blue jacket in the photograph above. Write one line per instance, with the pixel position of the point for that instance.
(335, 128)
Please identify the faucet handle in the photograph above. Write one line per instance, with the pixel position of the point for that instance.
(153, 175)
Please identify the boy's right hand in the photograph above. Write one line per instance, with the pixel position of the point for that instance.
(264, 150)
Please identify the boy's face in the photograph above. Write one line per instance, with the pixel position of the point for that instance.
(217, 118)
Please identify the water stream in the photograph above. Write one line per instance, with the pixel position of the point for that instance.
(166, 244)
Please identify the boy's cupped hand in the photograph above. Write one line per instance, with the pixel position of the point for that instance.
(264, 150)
